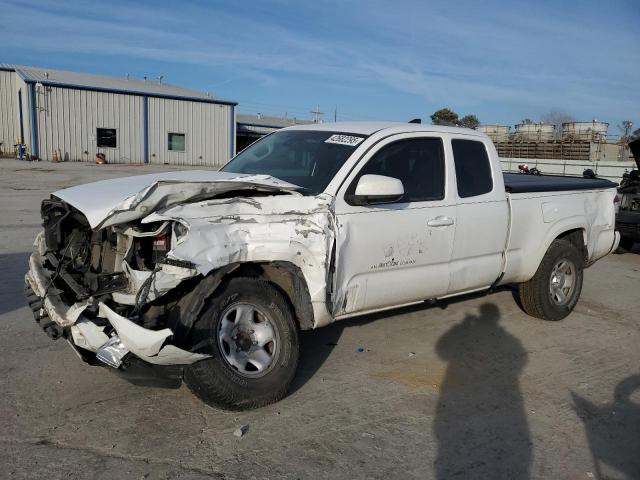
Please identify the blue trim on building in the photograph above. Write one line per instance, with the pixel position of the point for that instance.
(130, 92)
(34, 121)
(145, 128)
(232, 135)
(21, 124)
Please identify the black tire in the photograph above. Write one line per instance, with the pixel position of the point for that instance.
(536, 297)
(626, 245)
(214, 380)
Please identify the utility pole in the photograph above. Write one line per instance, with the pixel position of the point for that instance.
(316, 114)
(335, 114)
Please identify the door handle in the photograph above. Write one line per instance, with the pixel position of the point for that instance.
(440, 222)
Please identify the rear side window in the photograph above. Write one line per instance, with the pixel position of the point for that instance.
(473, 169)
(417, 163)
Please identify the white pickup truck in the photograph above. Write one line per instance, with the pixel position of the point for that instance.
(208, 276)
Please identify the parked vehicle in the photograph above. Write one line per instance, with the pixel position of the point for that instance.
(628, 214)
(209, 276)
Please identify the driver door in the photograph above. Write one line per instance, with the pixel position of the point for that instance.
(390, 254)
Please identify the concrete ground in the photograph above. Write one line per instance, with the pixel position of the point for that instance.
(473, 390)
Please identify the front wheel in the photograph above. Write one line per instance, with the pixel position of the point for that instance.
(554, 290)
(250, 332)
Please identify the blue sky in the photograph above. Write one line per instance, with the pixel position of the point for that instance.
(374, 60)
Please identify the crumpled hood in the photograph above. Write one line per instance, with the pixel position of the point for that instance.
(119, 200)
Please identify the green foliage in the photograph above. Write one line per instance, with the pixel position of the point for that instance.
(469, 121)
(444, 116)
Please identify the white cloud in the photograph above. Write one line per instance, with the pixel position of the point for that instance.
(516, 61)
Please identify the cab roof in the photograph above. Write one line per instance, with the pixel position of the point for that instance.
(369, 128)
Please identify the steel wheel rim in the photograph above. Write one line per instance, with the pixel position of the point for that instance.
(562, 282)
(247, 340)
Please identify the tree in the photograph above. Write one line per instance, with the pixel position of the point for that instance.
(635, 134)
(469, 121)
(557, 118)
(444, 116)
(527, 121)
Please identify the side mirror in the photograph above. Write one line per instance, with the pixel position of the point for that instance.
(373, 189)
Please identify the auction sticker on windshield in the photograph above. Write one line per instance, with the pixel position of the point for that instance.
(344, 140)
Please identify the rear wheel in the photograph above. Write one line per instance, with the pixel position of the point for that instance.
(554, 290)
(249, 330)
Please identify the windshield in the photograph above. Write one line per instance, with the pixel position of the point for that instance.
(305, 158)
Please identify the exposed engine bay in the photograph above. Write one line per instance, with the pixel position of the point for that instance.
(106, 267)
(120, 258)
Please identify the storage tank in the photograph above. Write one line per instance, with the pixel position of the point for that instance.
(497, 133)
(535, 132)
(586, 131)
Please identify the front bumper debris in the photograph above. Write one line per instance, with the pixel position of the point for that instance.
(112, 353)
(127, 342)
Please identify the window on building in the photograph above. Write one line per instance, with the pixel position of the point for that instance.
(473, 169)
(418, 163)
(176, 142)
(107, 137)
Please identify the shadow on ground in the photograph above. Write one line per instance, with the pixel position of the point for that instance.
(316, 345)
(13, 267)
(481, 424)
(613, 429)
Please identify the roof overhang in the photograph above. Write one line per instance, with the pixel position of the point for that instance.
(137, 93)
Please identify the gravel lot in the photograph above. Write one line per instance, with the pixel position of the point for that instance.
(471, 389)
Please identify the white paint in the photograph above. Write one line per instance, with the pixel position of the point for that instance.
(88, 335)
(122, 200)
(166, 278)
(145, 343)
(379, 185)
(481, 231)
(386, 255)
(291, 228)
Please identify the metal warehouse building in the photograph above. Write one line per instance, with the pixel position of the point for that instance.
(252, 127)
(68, 116)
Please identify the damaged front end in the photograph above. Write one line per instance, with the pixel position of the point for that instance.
(118, 260)
(96, 288)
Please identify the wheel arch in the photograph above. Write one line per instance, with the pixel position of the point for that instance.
(577, 237)
(574, 234)
(523, 267)
(285, 276)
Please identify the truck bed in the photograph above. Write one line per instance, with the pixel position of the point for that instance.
(520, 183)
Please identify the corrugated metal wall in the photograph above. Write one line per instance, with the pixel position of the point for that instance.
(9, 125)
(207, 128)
(68, 119)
